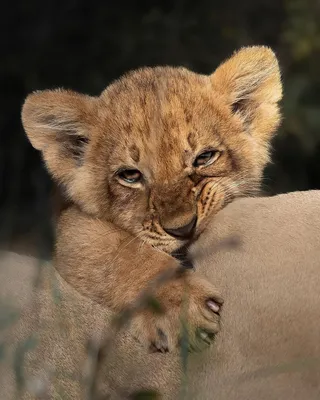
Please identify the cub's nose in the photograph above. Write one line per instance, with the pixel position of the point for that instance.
(185, 231)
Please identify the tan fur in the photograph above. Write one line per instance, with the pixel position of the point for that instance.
(112, 267)
(155, 120)
(158, 120)
(269, 346)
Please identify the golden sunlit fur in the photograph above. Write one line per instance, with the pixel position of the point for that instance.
(156, 121)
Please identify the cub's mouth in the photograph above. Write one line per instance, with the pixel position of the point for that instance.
(209, 200)
(184, 232)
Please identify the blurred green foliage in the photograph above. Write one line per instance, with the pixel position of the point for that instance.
(85, 45)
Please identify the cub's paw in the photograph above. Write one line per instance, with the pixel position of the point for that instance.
(190, 316)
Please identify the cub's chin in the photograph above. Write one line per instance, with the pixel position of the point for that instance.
(170, 247)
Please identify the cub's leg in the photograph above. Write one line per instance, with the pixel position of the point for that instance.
(112, 267)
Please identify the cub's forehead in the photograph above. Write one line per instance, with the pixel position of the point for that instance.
(159, 118)
(159, 104)
(153, 79)
(157, 89)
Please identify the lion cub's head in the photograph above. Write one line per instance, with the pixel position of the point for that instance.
(161, 149)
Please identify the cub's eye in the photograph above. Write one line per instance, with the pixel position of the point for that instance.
(130, 175)
(206, 158)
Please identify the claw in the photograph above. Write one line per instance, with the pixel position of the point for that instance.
(161, 344)
(203, 335)
(213, 305)
(207, 337)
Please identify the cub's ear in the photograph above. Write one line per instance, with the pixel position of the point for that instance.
(57, 123)
(250, 82)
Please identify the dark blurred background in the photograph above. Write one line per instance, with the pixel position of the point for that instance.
(84, 45)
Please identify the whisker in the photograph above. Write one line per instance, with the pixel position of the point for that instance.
(137, 237)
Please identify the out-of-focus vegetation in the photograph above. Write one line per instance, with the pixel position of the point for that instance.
(83, 45)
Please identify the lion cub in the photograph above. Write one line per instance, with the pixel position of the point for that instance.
(146, 165)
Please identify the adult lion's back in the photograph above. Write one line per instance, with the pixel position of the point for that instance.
(270, 342)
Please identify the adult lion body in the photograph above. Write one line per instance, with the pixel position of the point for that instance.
(269, 346)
